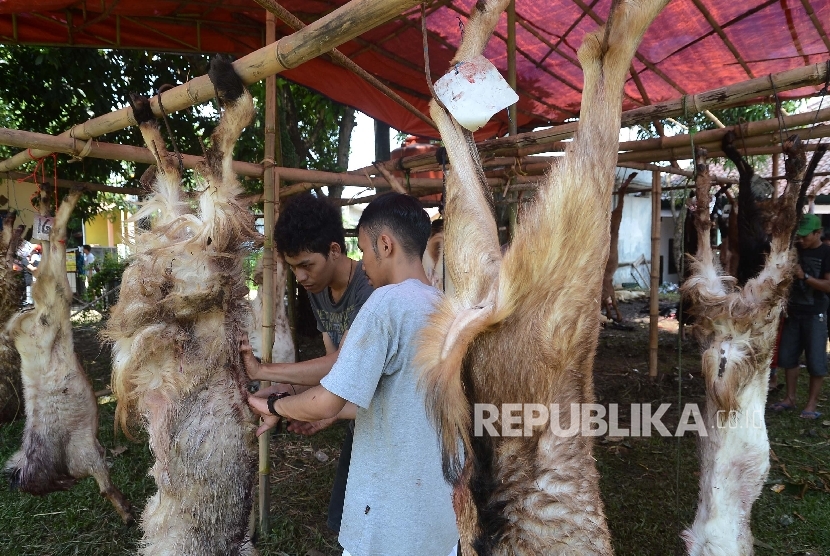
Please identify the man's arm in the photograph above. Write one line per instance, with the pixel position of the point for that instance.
(312, 405)
(821, 284)
(307, 373)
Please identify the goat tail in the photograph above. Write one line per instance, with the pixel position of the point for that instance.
(441, 351)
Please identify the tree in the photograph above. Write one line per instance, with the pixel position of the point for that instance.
(48, 90)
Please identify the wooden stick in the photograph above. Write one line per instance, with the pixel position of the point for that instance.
(717, 28)
(654, 306)
(330, 31)
(816, 23)
(338, 58)
(391, 180)
(85, 186)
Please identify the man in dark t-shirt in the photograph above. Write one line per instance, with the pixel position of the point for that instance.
(309, 236)
(805, 329)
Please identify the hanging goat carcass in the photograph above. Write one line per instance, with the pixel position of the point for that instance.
(175, 357)
(523, 329)
(12, 289)
(60, 444)
(737, 329)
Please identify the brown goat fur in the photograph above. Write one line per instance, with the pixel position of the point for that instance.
(60, 443)
(176, 362)
(524, 329)
(737, 331)
(11, 296)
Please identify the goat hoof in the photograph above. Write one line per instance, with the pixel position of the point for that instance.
(228, 84)
(141, 108)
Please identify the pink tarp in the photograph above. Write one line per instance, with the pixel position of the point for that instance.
(681, 53)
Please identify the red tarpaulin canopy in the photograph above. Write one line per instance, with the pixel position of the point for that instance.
(694, 45)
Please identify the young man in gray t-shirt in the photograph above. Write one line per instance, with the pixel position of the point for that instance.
(397, 502)
(309, 236)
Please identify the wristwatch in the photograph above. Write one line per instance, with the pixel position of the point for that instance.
(274, 397)
(806, 277)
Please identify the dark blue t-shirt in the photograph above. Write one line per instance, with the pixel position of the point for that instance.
(336, 318)
(805, 300)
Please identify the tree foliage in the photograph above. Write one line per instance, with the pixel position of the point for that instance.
(49, 90)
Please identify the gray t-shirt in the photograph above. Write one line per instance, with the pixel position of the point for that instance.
(336, 318)
(397, 502)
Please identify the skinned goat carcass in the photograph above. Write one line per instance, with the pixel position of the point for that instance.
(283, 348)
(12, 289)
(609, 297)
(175, 330)
(524, 328)
(60, 444)
(737, 328)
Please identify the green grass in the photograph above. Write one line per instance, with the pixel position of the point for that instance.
(649, 485)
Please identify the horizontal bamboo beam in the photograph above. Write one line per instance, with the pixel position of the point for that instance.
(110, 151)
(85, 186)
(712, 146)
(749, 129)
(341, 60)
(330, 31)
(551, 140)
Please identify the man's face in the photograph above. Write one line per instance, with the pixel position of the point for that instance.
(371, 262)
(810, 241)
(313, 271)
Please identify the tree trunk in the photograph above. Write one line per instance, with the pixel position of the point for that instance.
(344, 144)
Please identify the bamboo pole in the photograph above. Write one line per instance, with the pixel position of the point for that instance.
(716, 152)
(654, 294)
(536, 142)
(330, 31)
(29, 139)
(511, 63)
(84, 186)
(341, 60)
(269, 190)
(714, 146)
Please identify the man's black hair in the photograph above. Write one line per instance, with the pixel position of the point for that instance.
(87, 247)
(309, 223)
(403, 216)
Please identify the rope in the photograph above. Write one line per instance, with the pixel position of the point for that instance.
(779, 114)
(40, 164)
(823, 91)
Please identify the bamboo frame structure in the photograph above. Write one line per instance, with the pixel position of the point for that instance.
(269, 189)
(330, 31)
(338, 58)
(536, 142)
(654, 293)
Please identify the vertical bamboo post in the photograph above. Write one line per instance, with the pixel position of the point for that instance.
(267, 289)
(511, 62)
(511, 110)
(656, 194)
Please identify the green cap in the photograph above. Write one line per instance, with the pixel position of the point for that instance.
(809, 224)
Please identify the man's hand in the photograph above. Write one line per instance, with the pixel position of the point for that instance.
(307, 429)
(259, 405)
(248, 358)
(798, 271)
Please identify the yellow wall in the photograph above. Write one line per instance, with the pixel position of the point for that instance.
(19, 195)
(104, 230)
(100, 231)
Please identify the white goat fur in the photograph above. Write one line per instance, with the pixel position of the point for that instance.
(60, 443)
(175, 356)
(524, 329)
(737, 329)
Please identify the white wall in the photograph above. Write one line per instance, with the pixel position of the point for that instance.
(635, 236)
